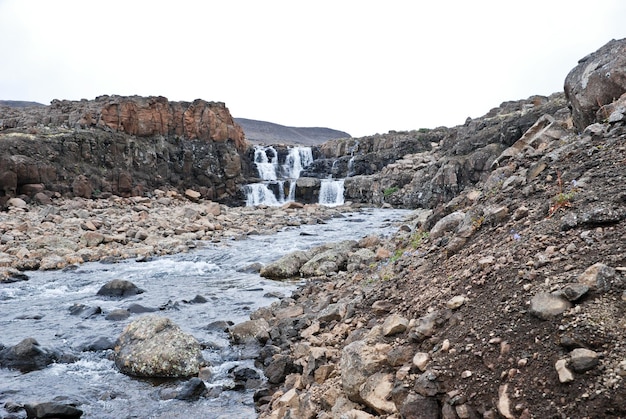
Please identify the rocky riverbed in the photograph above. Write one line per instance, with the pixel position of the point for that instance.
(77, 230)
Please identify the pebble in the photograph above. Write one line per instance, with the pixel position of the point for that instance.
(565, 375)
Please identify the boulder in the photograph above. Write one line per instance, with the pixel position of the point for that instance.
(547, 306)
(119, 288)
(27, 356)
(153, 346)
(359, 361)
(286, 267)
(332, 260)
(52, 410)
(598, 79)
(257, 329)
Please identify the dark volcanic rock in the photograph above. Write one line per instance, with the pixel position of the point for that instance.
(52, 410)
(598, 80)
(119, 288)
(27, 356)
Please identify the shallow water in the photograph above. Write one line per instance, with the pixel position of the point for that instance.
(39, 308)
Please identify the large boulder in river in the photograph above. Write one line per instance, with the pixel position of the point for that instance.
(599, 79)
(52, 410)
(332, 260)
(27, 356)
(286, 267)
(119, 288)
(153, 346)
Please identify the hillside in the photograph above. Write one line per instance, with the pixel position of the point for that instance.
(261, 132)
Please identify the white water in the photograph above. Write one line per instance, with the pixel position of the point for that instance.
(331, 192)
(281, 176)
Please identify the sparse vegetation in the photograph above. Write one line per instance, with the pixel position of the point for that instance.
(390, 191)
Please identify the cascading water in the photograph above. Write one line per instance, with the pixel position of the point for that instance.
(279, 181)
(331, 192)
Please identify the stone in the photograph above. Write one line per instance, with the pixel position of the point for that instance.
(598, 79)
(286, 267)
(504, 404)
(154, 346)
(192, 195)
(257, 329)
(27, 356)
(358, 362)
(375, 393)
(192, 390)
(582, 359)
(547, 306)
(455, 302)
(394, 324)
(92, 238)
(565, 375)
(117, 315)
(416, 406)
(598, 277)
(573, 292)
(421, 360)
(17, 203)
(426, 384)
(119, 288)
(448, 223)
(52, 410)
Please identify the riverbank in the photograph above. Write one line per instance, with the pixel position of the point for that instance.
(77, 230)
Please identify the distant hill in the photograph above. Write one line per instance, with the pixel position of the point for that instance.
(19, 103)
(260, 132)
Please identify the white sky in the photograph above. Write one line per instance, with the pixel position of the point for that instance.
(363, 67)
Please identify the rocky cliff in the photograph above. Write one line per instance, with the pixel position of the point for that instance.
(120, 145)
(262, 132)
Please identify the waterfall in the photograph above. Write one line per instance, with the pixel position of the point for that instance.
(279, 180)
(331, 192)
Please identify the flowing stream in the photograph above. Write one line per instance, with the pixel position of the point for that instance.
(39, 308)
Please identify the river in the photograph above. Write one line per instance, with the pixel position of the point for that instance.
(40, 308)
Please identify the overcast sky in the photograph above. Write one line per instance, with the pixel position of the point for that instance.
(363, 67)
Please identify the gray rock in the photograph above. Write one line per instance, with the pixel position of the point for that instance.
(597, 80)
(416, 406)
(52, 410)
(359, 361)
(286, 267)
(250, 330)
(332, 260)
(192, 390)
(598, 277)
(448, 223)
(582, 359)
(574, 291)
(153, 346)
(394, 324)
(547, 306)
(27, 356)
(119, 288)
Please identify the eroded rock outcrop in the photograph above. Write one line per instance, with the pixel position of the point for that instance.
(121, 145)
(598, 80)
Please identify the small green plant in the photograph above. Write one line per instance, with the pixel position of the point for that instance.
(390, 191)
(397, 255)
(417, 238)
(562, 199)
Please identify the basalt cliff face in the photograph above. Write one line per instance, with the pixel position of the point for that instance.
(120, 145)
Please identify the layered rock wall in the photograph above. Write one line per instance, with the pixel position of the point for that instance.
(121, 145)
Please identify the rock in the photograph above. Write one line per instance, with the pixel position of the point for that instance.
(448, 223)
(597, 80)
(504, 404)
(426, 384)
(92, 238)
(27, 356)
(421, 360)
(100, 344)
(119, 288)
(250, 330)
(358, 362)
(117, 315)
(455, 302)
(52, 410)
(565, 375)
(153, 346)
(192, 195)
(598, 277)
(582, 359)
(278, 368)
(286, 267)
(9, 275)
(376, 391)
(17, 203)
(546, 306)
(416, 406)
(573, 292)
(84, 311)
(394, 324)
(192, 390)
(331, 260)
(334, 312)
